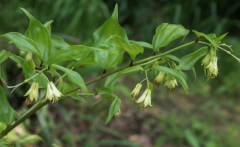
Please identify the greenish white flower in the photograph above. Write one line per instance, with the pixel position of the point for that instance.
(118, 113)
(171, 84)
(212, 69)
(145, 99)
(52, 92)
(136, 90)
(28, 56)
(33, 92)
(206, 60)
(159, 79)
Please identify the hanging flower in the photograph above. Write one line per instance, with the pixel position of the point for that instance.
(145, 99)
(159, 79)
(171, 84)
(32, 92)
(212, 69)
(136, 90)
(117, 114)
(206, 60)
(52, 92)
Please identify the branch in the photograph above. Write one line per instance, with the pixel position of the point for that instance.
(44, 102)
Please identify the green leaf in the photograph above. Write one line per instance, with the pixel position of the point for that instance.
(143, 44)
(112, 79)
(187, 62)
(133, 49)
(151, 88)
(176, 74)
(73, 76)
(29, 139)
(88, 60)
(114, 54)
(4, 55)
(191, 138)
(166, 33)
(217, 40)
(115, 106)
(58, 42)
(210, 37)
(109, 28)
(174, 58)
(123, 143)
(7, 113)
(111, 57)
(106, 91)
(23, 43)
(3, 126)
(47, 25)
(104, 98)
(194, 72)
(71, 53)
(29, 71)
(37, 32)
(75, 96)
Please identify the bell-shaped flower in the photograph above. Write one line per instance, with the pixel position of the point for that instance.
(171, 84)
(159, 79)
(212, 69)
(145, 99)
(206, 60)
(117, 114)
(136, 91)
(33, 92)
(52, 92)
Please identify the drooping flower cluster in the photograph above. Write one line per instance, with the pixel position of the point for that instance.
(136, 91)
(52, 92)
(32, 93)
(159, 79)
(118, 113)
(210, 66)
(145, 99)
(171, 84)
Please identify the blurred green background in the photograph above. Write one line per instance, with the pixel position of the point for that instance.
(209, 116)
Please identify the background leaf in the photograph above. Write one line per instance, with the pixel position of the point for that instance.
(4, 55)
(112, 79)
(73, 76)
(58, 42)
(29, 71)
(71, 53)
(115, 106)
(166, 33)
(143, 44)
(29, 139)
(37, 32)
(187, 62)
(114, 54)
(132, 49)
(23, 43)
(176, 74)
(210, 37)
(7, 113)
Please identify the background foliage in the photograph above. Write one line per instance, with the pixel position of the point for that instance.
(208, 116)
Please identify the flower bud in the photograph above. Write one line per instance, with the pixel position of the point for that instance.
(171, 84)
(32, 92)
(159, 79)
(136, 90)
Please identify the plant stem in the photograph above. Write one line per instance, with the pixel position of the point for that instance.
(39, 105)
